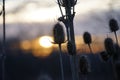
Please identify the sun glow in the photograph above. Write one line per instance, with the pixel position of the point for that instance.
(44, 41)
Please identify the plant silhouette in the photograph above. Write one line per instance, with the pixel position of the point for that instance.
(87, 40)
(59, 38)
(114, 27)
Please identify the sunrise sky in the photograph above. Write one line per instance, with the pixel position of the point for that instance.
(91, 15)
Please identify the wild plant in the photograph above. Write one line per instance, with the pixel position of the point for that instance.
(87, 39)
(84, 66)
(114, 27)
(59, 38)
(104, 56)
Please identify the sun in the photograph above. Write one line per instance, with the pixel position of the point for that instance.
(44, 41)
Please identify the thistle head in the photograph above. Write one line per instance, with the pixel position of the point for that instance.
(109, 46)
(70, 48)
(104, 55)
(113, 25)
(87, 38)
(84, 64)
(58, 33)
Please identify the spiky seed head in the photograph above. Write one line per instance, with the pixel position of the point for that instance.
(67, 3)
(113, 25)
(109, 46)
(104, 55)
(87, 38)
(84, 65)
(58, 33)
(70, 48)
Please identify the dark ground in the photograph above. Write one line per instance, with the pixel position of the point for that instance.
(27, 67)
(22, 66)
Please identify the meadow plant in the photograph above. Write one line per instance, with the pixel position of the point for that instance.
(64, 3)
(111, 49)
(114, 27)
(84, 66)
(59, 38)
(104, 56)
(70, 48)
(109, 46)
(58, 34)
(87, 39)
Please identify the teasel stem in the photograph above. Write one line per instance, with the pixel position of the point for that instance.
(116, 37)
(114, 69)
(4, 41)
(72, 67)
(61, 63)
(90, 48)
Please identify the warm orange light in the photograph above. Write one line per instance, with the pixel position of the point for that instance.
(44, 41)
(25, 45)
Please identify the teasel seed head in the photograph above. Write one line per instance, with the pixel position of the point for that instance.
(109, 46)
(104, 55)
(70, 48)
(84, 65)
(66, 3)
(113, 25)
(87, 38)
(58, 33)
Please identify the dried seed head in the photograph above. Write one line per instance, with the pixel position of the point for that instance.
(87, 38)
(84, 65)
(104, 56)
(71, 49)
(109, 46)
(113, 25)
(58, 33)
(66, 3)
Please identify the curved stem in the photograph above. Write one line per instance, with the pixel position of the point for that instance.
(61, 63)
(90, 48)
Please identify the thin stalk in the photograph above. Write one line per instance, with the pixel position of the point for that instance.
(72, 67)
(116, 37)
(4, 41)
(90, 48)
(72, 39)
(61, 63)
(114, 70)
(60, 8)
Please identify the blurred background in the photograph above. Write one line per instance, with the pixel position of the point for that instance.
(30, 54)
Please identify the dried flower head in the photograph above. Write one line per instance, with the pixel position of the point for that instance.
(87, 38)
(84, 64)
(109, 46)
(104, 55)
(113, 25)
(58, 33)
(70, 47)
(67, 3)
